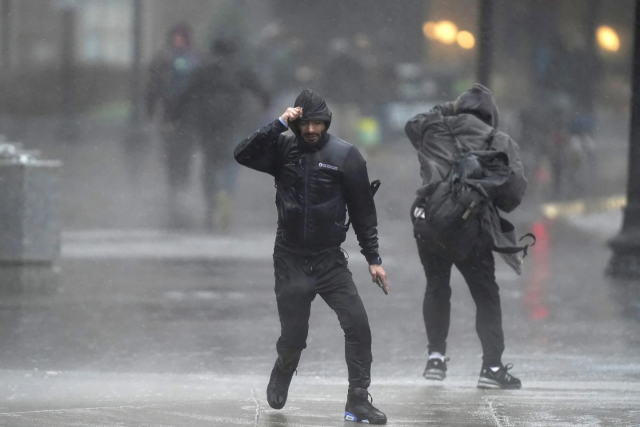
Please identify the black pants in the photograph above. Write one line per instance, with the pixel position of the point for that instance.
(298, 280)
(178, 143)
(217, 156)
(478, 270)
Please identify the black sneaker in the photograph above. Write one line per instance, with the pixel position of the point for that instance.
(501, 379)
(278, 388)
(436, 369)
(360, 410)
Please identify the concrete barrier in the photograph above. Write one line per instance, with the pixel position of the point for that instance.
(29, 207)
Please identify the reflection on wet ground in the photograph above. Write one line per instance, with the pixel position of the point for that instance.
(16, 280)
(626, 295)
(172, 315)
(539, 276)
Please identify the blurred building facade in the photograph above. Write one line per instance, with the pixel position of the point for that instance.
(541, 46)
(32, 31)
(35, 35)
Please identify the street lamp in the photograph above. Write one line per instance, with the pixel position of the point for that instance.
(429, 30)
(625, 262)
(136, 136)
(446, 32)
(466, 40)
(485, 49)
(136, 63)
(5, 36)
(68, 130)
(608, 38)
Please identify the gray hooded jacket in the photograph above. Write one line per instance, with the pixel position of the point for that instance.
(472, 118)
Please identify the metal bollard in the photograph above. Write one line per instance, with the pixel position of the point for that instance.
(29, 207)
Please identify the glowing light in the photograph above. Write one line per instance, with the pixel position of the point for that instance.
(551, 212)
(362, 41)
(466, 40)
(608, 38)
(446, 32)
(429, 30)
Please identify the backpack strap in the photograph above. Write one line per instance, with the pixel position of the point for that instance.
(517, 249)
(375, 185)
(461, 148)
(492, 135)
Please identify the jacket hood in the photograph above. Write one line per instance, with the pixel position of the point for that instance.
(479, 102)
(313, 108)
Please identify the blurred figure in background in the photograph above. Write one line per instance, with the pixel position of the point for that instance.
(581, 157)
(345, 86)
(368, 126)
(535, 143)
(215, 93)
(275, 52)
(169, 76)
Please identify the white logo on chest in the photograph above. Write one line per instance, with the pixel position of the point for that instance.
(324, 165)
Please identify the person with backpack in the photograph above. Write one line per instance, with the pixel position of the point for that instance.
(217, 84)
(470, 172)
(169, 75)
(318, 179)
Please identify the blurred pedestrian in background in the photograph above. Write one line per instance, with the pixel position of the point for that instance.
(215, 94)
(169, 76)
(345, 86)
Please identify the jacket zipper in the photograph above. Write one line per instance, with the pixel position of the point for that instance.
(306, 198)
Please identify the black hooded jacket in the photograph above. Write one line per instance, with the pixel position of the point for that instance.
(316, 186)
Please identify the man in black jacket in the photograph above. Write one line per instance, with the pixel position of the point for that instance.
(318, 178)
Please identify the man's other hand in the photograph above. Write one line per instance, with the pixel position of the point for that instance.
(377, 271)
(291, 114)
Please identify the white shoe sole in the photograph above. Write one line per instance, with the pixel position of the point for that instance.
(486, 383)
(435, 374)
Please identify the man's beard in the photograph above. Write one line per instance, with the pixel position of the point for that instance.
(316, 138)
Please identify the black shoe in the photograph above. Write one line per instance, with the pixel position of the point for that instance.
(501, 379)
(436, 369)
(360, 410)
(278, 388)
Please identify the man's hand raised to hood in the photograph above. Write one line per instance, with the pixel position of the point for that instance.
(291, 114)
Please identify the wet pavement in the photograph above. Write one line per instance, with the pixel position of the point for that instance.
(164, 341)
(142, 326)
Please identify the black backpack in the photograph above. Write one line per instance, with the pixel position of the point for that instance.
(450, 212)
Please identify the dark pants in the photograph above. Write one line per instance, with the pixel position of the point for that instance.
(298, 280)
(179, 143)
(478, 270)
(219, 169)
(217, 172)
